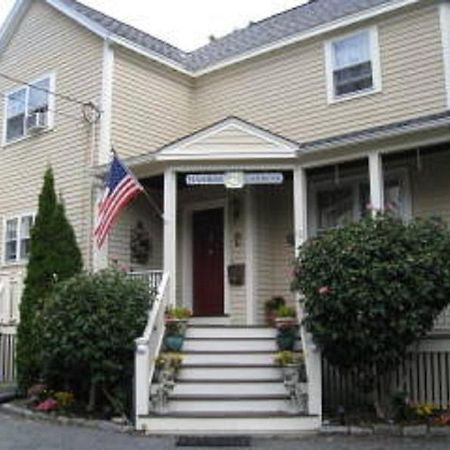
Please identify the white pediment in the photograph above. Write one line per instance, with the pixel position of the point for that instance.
(231, 138)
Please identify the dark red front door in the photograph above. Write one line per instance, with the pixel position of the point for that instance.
(208, 263)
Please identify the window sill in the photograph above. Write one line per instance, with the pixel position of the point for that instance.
(26, 137)
(347, 97)
(14, 264)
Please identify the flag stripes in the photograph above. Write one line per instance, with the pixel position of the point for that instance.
(121, 188)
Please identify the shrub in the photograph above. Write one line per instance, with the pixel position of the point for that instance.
(371, 289)
(54, 255)
(91, 322)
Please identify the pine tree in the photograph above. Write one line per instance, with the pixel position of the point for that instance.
(54, 256)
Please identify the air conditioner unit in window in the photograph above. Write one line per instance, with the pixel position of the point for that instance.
(37, 122)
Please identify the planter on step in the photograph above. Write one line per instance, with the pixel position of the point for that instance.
(174, 342)
(286, 338)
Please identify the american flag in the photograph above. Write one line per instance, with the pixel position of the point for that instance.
(121, 187)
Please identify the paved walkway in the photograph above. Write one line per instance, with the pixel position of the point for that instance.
(23, 434)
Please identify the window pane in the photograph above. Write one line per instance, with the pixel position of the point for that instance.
(393, 198)
(335, 207)
(25, 232)
(351, 51)
(38, 97)
(353, 79)
(11, 240)
(15, 115)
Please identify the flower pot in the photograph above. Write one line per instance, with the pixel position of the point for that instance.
(174, 342)
(286, 338)
(286, 322)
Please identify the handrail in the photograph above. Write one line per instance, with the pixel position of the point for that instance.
(148, 347)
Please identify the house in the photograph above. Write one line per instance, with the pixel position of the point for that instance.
(246, 147)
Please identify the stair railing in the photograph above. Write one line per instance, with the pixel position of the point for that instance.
(148, 347)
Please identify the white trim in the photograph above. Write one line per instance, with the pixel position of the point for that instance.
(18, 261)
(374, 58)
(180, 150)
(104, 152)
(250, 245)
(376, 182)
(444, 18)
(187, 249)
(51, 76)
(12, 21)
(170, 232)
(328, 27)
(18, 12)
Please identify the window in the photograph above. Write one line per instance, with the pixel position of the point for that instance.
(353, 66)
(28, 106)
(336, 206)
(17, 238)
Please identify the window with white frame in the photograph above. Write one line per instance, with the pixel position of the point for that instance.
(353, 65)
(28, 108)
(17, 238)
(335, 206)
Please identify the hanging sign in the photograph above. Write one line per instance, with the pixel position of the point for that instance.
(234, 180)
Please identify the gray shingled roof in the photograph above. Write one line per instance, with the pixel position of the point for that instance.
(259, 34)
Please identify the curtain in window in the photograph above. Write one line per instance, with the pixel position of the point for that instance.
(351, 51)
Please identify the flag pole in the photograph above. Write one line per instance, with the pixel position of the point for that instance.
(150, 200)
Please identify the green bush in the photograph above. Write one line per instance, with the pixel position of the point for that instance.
(372, 289)
(91, 322)
(54, 256)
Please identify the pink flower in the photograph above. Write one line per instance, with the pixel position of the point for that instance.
(323, 290)
(47, 405)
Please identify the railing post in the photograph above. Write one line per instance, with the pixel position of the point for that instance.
(312, 354)
(141, 378)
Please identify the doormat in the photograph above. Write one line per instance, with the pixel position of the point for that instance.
(213, 441)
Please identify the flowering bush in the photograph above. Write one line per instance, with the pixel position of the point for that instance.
(372, 288)
(47, 405)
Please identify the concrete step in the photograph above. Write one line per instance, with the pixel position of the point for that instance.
(230, 345)
(228, 424)
(230, 389)
(231, 332)
(228, 359)
(247, 373)
(226, 405)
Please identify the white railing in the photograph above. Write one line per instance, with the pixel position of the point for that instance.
(147, 349)
(11, 285)
(443, 321)
(152, 277)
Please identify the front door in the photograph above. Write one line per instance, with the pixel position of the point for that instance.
(208, 262)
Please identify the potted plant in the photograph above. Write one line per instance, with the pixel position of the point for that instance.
(270, 308)
(176, 319)
(292, 364)
(287, 326)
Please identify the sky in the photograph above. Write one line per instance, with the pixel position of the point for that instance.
(187, 24)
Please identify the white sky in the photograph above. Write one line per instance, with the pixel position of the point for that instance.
(184, 23)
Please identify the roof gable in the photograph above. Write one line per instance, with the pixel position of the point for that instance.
(231, 138)
(285, 28)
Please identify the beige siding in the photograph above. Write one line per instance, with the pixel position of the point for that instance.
(119, 247)
(274, 254)
(151, 105)
(47, 41)
(285, 91)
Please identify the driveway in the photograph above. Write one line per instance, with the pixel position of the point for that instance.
(23, 434)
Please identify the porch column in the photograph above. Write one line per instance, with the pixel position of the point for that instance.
(250, 261)
(376, 182)
(170, 231)
(312, 354)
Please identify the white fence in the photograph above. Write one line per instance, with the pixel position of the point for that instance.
(11, 286)
(7, 355)
(424, 376)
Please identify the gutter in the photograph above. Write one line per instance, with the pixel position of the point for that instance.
(427, 123)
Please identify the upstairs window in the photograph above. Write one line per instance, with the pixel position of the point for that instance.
(17, 238)
(28, 109)
(353, 66)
